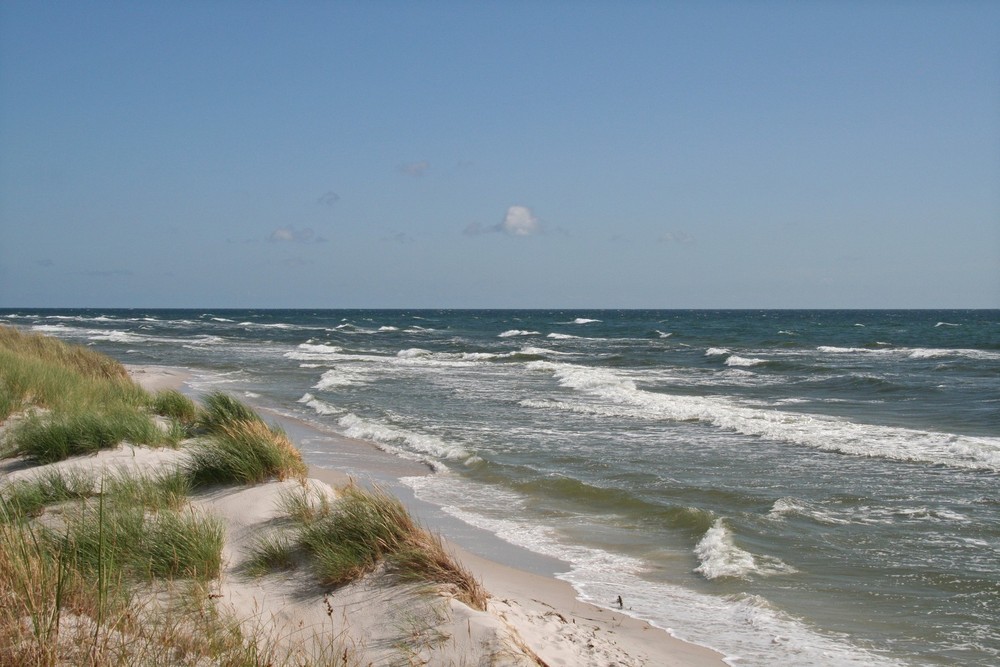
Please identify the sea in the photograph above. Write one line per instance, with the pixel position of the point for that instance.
(807, 487)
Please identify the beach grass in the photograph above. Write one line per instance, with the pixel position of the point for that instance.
(55, 436)
(240, 448)
(175, 405)
(351, 536)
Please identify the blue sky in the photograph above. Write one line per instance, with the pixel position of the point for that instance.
(500, 154)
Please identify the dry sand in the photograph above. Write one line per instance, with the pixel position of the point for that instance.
(530, 619)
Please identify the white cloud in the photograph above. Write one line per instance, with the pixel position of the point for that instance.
(520, 221)
(290, 234)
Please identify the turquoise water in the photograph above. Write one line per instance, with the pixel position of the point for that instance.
(789, 487)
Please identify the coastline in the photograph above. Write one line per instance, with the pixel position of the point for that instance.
(530, 608)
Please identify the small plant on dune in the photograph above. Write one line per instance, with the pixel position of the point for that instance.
(240, 448)
(175, 405)
(350, 537)
(28, 498)
(221, 409)
(56, 436)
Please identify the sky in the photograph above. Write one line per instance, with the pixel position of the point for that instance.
(500, 154)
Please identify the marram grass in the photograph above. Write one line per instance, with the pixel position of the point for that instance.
(350, 537)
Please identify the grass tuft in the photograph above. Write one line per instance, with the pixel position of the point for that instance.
(221, 410)
(54, 437)
(349, 538)
(244, 452)
(175, 405)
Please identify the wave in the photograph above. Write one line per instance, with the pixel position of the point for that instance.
(621, 397)
(518, 332)
(720, 557)
(388, 328)
(404, 443)
(663, 334)
(716, 352)
(864, 514)
(315, 352)
(339, 377)
(561, 336)
(913, 352)
(320, 407)
(946, 324)
(744, 626)
(737, 361)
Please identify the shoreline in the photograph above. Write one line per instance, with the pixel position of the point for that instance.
(545, 612)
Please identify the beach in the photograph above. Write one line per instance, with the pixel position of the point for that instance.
(785, 487)
(377, 620)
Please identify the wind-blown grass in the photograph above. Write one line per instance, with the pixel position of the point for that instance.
(172, 403)
(221, 410)
(349, 538)
(57, 436)
(240, 448)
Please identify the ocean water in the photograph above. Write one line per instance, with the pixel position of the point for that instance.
(788, 487)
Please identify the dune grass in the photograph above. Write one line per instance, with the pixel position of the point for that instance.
(240, 448)
(350, 537)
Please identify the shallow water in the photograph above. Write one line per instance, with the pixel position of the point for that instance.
(789, 487)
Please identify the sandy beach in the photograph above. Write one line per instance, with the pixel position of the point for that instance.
(378, 620)
(530, 619)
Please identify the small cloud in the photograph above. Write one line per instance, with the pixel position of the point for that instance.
(519, 221)
(290, 234)
(329, 198)
(415, 169)
(675, 237)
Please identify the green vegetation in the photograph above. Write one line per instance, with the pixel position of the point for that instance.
(244, 452)
(346, 539)
(117, 570)
(175, 405)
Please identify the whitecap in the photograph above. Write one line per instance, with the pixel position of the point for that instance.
(946, 324)
(388, 328)
(735, 360)
(517, 332)
(584, 320)
(664, 334)
(720, 557)
(716, 351)
(338, 377)
(560, 336)
(413, 353)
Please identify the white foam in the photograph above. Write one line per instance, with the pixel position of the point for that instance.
(738, 361)
(320, 407)
(388, 328)
(339, 377)
(403, 442)
(946, 324)
(413, 353)
(584, 320)
(119, 337)
(720, 557)
(664, 334)
(747, 629)
(621, 397)
(716, 352)
(561, 336)
(518, 332)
